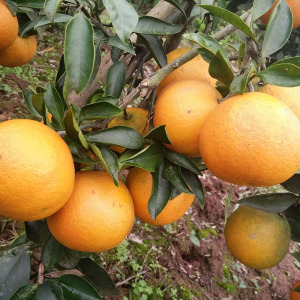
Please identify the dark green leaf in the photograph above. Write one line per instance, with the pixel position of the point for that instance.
(115, 41)
(122, 136)
(51, 7)
(100, 98)
(26, 292)
(99, 111)
(239, 84)
(37, 231)
(194, 183)
(297, 289)
(278, 30)
(22, 239)
(98, 277)
(260, 7)
(175, 192)
(290, 60)
(161, 192)
(49, 291)
(123, 16)
(115, 80)
(293, 216)
(51, 252)
(31, 3)
(293, 184)
(69, 259)
(79, 51)
(27, 95)
(177, 4)
(59, 18)
(272, 203)
(151, 25)
(37, 101)
(158, 134)
(281, 75)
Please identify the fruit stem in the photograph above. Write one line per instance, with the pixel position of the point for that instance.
(126, 115)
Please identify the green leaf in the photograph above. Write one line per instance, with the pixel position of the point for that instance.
(281, 74)
(31, 3)
(115, 79)
(69, 259)
(59, 18)
(231, 18)
(49, 291)
(51, 7)
(26, 292)
(158, 134)
(37, 101)
(239, 84)
(15, 270)
(182, 160)
(273, 203)
(27, 95)
(75, 287)
(79, 51)
(99, 111)
(177, 4)
(293, 184)
(98, 277)
(193, 181)
(297, 289)
(151, 25)
(37, 231)
(290, 60)
(20, 240)
(115, 41)
(149, 158)
(51, 252)
(260, 7)
(173, 173)
(123, 17)
(220, 69)
(293, 216)
(296, 255)
(161, 192)
(278, 30)
(122, 136)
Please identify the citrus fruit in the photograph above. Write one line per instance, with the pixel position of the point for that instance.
(183, 106)
(295, 295)
(134, 117)
(36, 170)
(9, 26)
(295, 8)
(20, 52)
(139, 183)
(98, 215)
(289, 95)
(196, 69)
(251, 139)
(258, 239)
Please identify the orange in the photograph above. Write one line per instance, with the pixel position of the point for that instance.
(136, 118)
(295, 8)
(98, 215)
(251, 139)
(139, 183)
(183, 106)
(9, 26)
(258, 239)
(20, 52)
(295, 295)
(289, 95)
(196, 69)
(36, 170)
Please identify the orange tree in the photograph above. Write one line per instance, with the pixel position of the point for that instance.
(93, 86)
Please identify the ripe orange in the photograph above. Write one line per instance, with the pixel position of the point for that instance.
(36, 170)
(20, 52)
(137, 118)
(196, 69)
(139, 183)
(183, 106)
(9, 26)
(295, 295)
(251, 139)
(256, 238)
(98, 215)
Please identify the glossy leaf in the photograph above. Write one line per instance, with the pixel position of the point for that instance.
(31, 3)
(26, 292)
(272, 203)
(281, 75)
(161, 192)
(115, 80)
(278, 29)
(290, 60)
(58, 18)
(239, 84)
(293, 216)
(98, 277)
(100, 98)
(51, 251)
(260, 7)
(49, 291)
(122, 136)
(51, 7)
(69, 259)
(115, 41)
(27, 95)
(99, 111)
(151, 25)
(37, 231)
(177, 4)
(293, 184)
(193, 181)
(80, 63)
(123, 17)
(158, 134)
(20, 240)
(37, 101)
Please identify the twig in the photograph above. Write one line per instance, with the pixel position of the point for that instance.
(129, 278)
(41, 273)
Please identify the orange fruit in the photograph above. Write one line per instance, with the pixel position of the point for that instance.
(36, 170)
(139, 183)
(9, 26)
(20, 52)
(295, 295)
(137, 118)
(295, 8)
(251, 139)
(183, 106)
(196, 69)
(98, 215)
(258, 239)
(289, 95)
